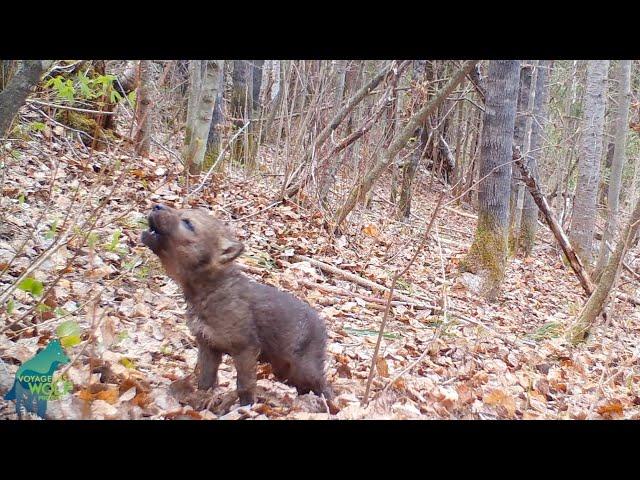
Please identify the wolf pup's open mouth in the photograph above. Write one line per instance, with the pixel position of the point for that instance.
(151, 237)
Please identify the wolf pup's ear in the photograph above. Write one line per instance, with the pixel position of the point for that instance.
(230, 249)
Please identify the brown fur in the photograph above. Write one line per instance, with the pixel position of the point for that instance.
(228, 313)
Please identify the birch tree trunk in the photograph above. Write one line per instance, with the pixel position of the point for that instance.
(144, 121)
(195, 86)
(488, 253)
(203, 112)
(15, 94)
(584, 210)
(529, 225)
(619, 156)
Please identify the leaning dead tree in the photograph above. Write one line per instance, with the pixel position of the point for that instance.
(541, 201)
(598, 299)
(576, 333)
(388, 156)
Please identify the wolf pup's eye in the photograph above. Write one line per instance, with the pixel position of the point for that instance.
(188, 224)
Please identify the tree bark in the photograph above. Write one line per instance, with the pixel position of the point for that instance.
(144, 121)
(489, 251)
(256, 66)
(195, 87)
(410, 167)
(214, 138)
(241, 107)
(388, 155)
(520, 137)
(584, 210)
(619, 156)
(529, 225)
(195, 149)
(15, 94)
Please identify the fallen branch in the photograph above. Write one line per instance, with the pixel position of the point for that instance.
(351, 277)
(367, 298)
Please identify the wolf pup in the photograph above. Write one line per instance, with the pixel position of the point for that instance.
(229, 313)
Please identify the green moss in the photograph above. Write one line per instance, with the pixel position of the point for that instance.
(210, 156)
(487, 256)
(85, 124)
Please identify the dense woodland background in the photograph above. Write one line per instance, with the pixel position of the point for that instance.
(467, 229)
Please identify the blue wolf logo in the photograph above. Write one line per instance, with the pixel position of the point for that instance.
(32, 385)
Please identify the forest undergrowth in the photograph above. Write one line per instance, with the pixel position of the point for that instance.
(446, 353)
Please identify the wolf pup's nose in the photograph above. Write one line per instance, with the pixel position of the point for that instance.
(157, 207)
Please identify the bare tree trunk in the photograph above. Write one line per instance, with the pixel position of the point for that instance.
(598, 299)
(195, 86)
(619, 155)
(520, 139)
(529, 225)
(489, 251)
(276, 99)
(241, 107)
(256, 66)
(409, 173)
(341, 76)
(19, 87)
(584, 210)
(214, 139)
(195, 149)
(144, 121)
(408, 170)
(128, 79)
(388, 155)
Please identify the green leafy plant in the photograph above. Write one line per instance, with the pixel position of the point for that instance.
(32, 286)
(69, 333)
(114, 244)
(64, 89)
(51, 232)
(132, 98)
(37, 126)
(84, 87)
(92, 240)
(548, 330)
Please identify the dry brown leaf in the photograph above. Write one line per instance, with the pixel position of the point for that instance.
(370, 230)
(382, 367)
(500, 398)
(612, 409)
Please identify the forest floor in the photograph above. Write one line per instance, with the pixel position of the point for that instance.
(502, 360)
